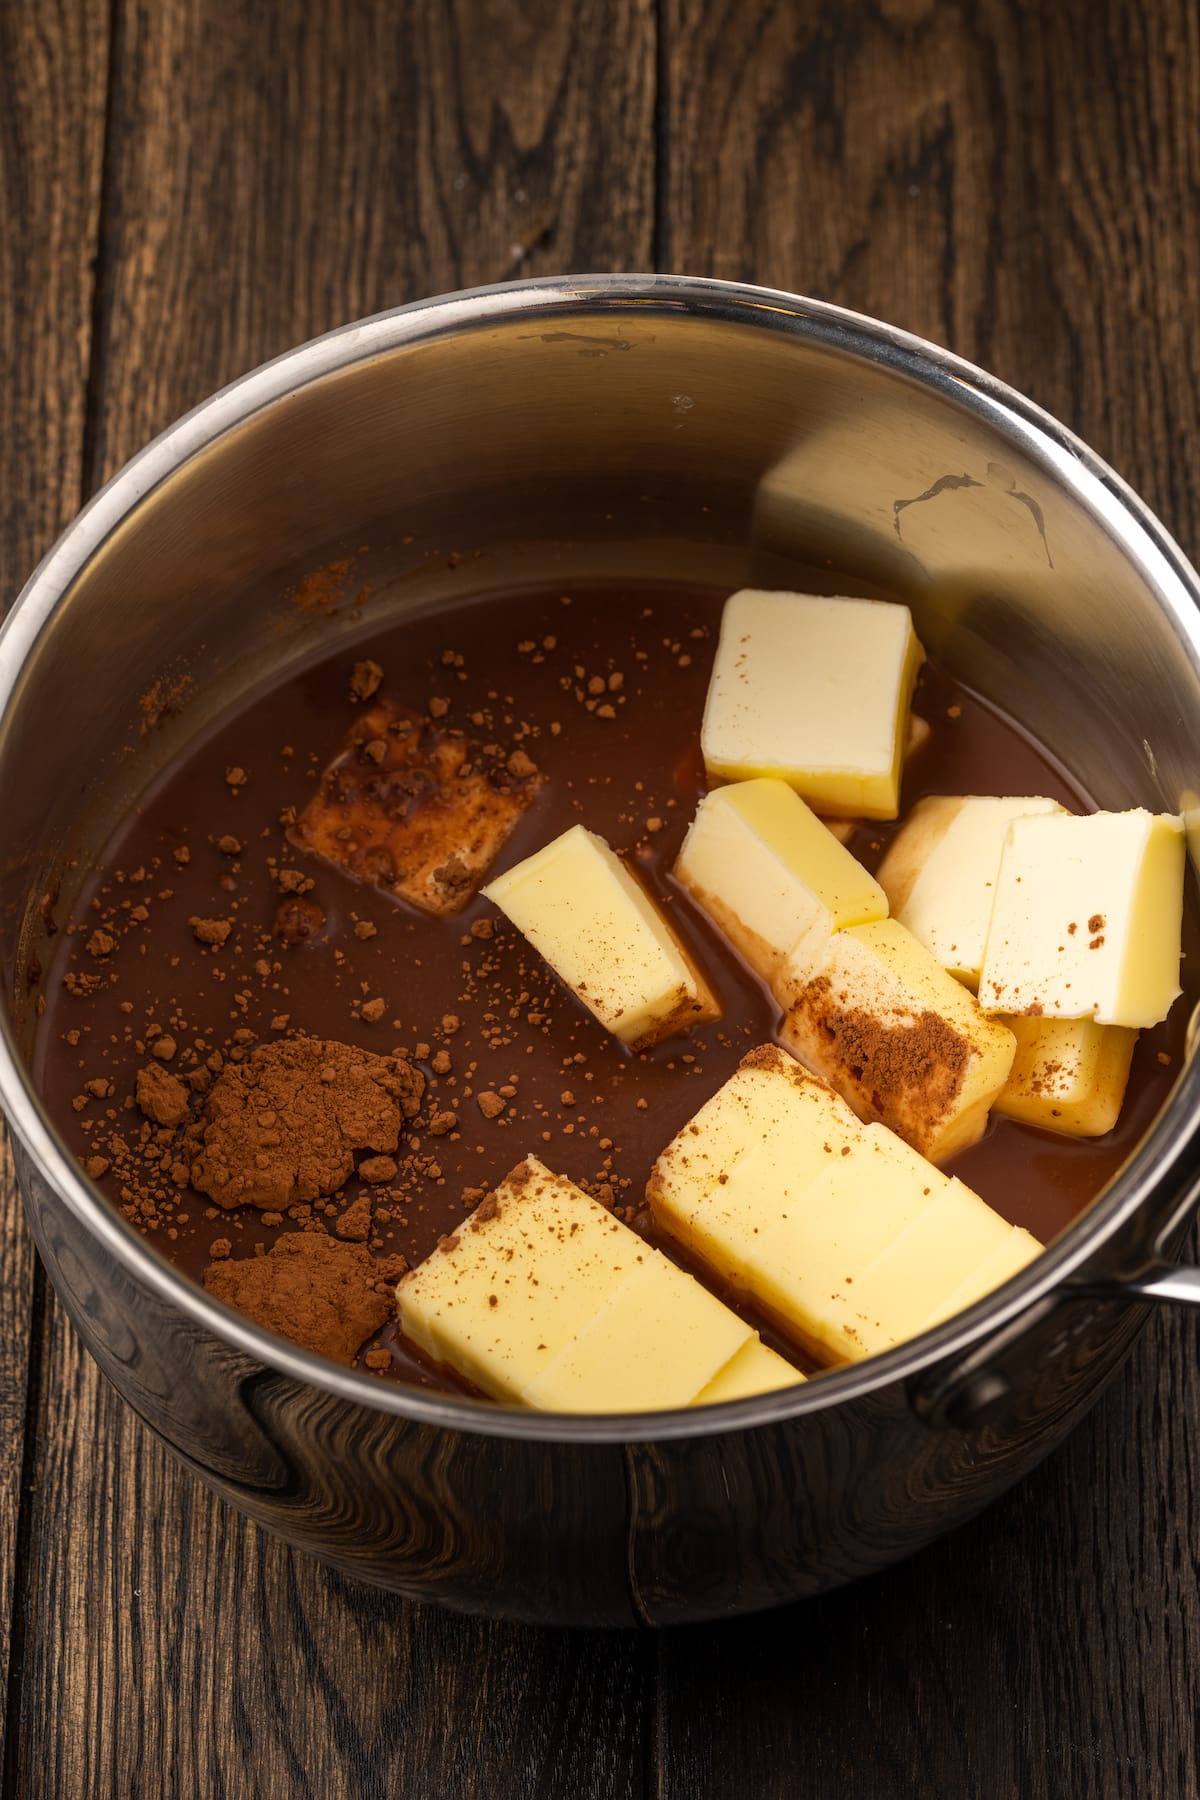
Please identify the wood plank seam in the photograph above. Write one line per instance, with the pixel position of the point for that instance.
(21, 1598)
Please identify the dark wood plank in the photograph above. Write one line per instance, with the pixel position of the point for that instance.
(53, 69)
(369, 155)
(1017, 182)
(272, 173)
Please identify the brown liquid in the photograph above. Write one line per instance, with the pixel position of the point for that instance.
(619, 775)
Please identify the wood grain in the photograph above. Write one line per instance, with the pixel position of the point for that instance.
(281, 170)
(53, 71)
(1018, 182)
(272, 172)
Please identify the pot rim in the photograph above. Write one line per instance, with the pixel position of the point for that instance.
(1066, 459)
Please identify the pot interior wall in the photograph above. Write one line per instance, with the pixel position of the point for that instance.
(628, 442)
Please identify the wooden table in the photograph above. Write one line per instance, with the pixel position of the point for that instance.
(193, 185)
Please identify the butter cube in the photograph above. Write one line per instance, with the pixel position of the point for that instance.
(602, 934)
(918, 735)
(754, 1370)
(771, 1125)
(871, 1010)
(1087, 917)
(816, 691)
(658, 1342)
(868, 1245)
(765, 869)
(544, 1298)
(940, 873)
(1068, 1074)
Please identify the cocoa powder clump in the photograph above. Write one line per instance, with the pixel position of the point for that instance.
(311, 1288)
(162, 1097)
(284, 1125)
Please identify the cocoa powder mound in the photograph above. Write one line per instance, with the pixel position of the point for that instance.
(284, 1125)
(311, 1288)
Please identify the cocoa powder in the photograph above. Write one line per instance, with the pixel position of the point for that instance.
(322, 1293)
(284, 1125)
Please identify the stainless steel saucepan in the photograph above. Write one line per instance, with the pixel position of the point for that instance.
(625, 429)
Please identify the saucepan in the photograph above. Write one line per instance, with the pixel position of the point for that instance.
(621, 429)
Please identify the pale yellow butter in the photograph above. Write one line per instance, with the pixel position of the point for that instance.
(1086, 920)
(754, 1370)
(765, 869)
(1068, 1074)
(871, 1011)
(601, 933)
(771, 1122)
(657, 1342)
(940, 872)
(843, 1235)
(816, 691)
(544, 1298)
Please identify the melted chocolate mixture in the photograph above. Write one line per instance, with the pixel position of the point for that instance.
(605, 691)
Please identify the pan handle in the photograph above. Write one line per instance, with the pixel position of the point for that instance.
(983, 1384)
(1175, 1284)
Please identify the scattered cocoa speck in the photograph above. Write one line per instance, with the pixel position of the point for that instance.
(438, 707)
(489, 1104)
(450, 1024)
(162, 1097)
(567, 1097)
(365, 929)
(229, 845)
(378, 1360)
(482, 928)
(366, 679)
(520, 765)
(297, 919)
(219, 1249)
(954, 712)
(182, 854)
(211, 931)
(654, 823)
(164, 1048)
(354, 1226)
(441, 1064)
(378, 1169)
(236, 777)
(375, 749)
(1096, 922)
(96, 1166)
(1164, 1059)
(101, 943)
(441, 1123)
(100, 1088)
(373, 1010)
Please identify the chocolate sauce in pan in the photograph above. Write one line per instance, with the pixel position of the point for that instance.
(605, 692)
